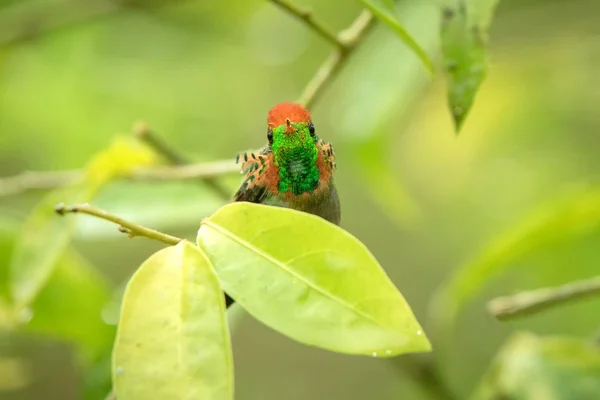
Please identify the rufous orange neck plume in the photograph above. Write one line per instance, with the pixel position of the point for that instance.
(279, 114)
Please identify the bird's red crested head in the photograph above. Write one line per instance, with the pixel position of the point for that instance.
(282, 112)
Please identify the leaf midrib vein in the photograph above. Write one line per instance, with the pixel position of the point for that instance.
(273, 260)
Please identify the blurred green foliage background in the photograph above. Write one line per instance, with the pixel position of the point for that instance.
(203, 75)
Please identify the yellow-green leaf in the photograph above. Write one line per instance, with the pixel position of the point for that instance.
(464, 39)
(123, 156)
(45, 235)
(43, 239)
(173, 340)
(385, 15)
(553, 225)
(537, 368)
(309, 280)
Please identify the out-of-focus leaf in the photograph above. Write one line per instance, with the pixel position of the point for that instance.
(8, 233)
(309, 280)
(173, 341)
(97, 379)
(383, 184)
(13, 374)
(385, 15)
(553, 368)
(556, 224)
(45, 235)
(396, 79)
(7, 315)
(43, 239)
(69, 306)
(125, 154)
(464, 38)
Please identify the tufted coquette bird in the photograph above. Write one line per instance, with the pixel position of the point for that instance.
(295, 169)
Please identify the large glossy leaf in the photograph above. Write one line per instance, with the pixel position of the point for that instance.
(385, 13)
(464, 39)
(555, 224)
(534, 368)
(309, 280)
(44, 236)
(172, 340)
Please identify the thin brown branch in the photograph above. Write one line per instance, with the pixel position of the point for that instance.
(530, 302)
(32, 180)
(307, 17)
(38, 180)
(131, 228)
(206, 170)
(347, 40)
(142, 131)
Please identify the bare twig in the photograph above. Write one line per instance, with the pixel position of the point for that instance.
(537, 300)
(32, 180)
(142, 131)
(307, 17)
(131, 228)
(206, 170)
(347, 40)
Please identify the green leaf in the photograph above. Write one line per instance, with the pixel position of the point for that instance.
(382, 184)
(173, 340)
(309, 280)
(45, 235)
(553, 225)
(464, 38)
(69, 307)
(9, 229)
(534, 368)
(124, 154)
(385, 15)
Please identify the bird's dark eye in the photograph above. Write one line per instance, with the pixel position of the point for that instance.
(270, 136)
(311, 129)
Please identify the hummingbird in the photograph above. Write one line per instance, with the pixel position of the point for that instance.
(295, 169)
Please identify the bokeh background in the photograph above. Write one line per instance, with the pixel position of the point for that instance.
(203, 74)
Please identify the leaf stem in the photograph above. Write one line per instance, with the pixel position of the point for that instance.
(533, 301)
(131, 228)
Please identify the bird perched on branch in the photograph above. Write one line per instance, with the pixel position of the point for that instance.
(296, 168)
